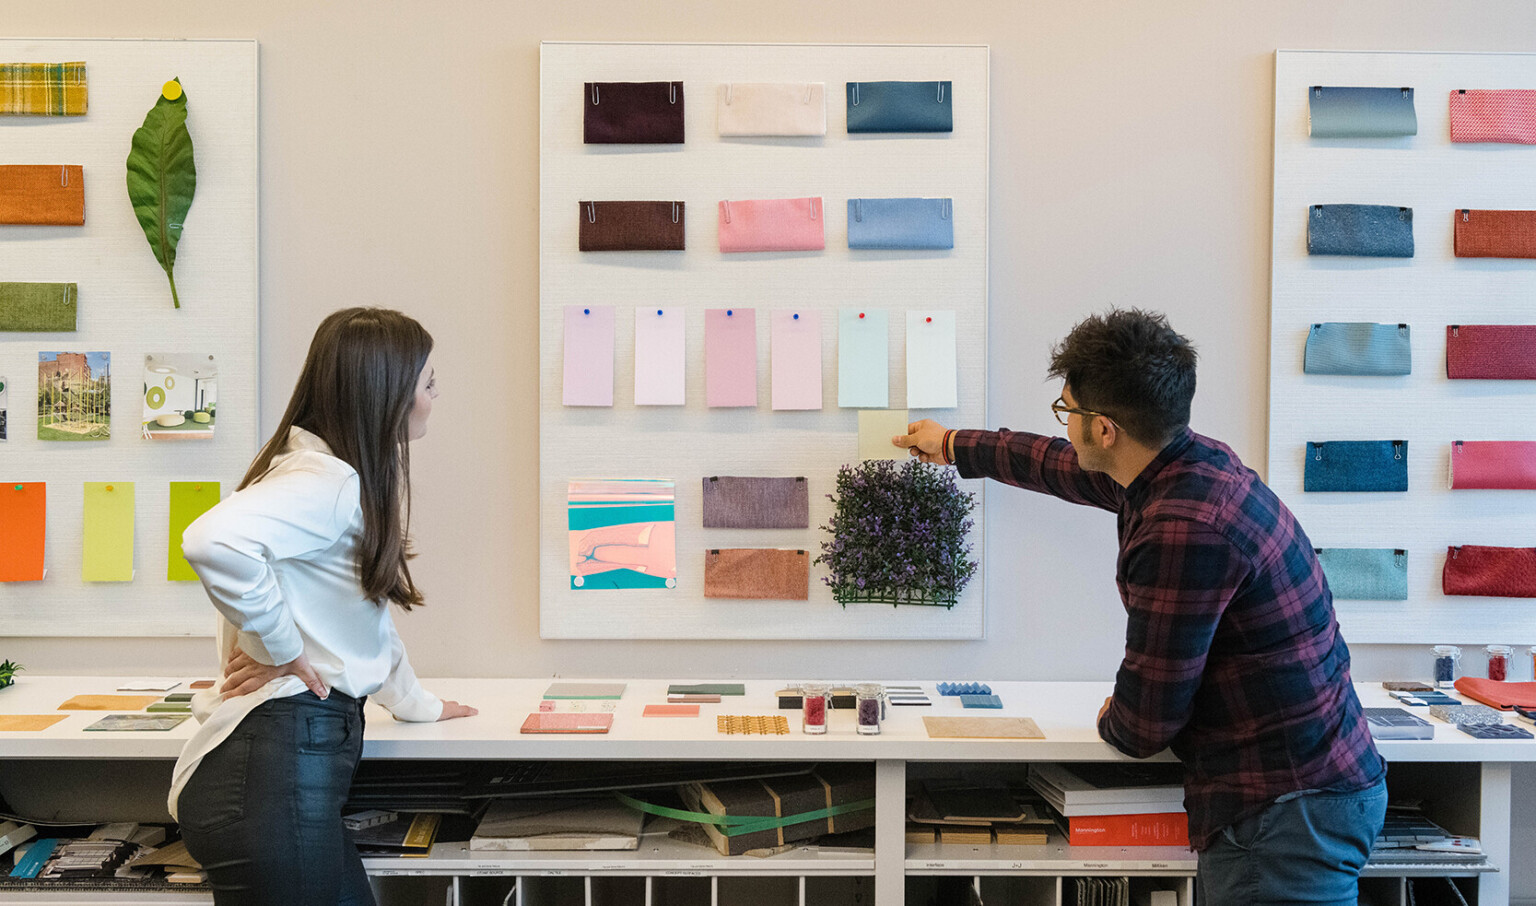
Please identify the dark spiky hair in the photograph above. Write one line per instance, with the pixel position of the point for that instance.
(1132, 366)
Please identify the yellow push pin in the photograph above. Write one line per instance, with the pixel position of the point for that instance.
(109, 487)
(171, 90)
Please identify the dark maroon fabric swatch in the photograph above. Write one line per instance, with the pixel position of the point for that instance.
(633, 113)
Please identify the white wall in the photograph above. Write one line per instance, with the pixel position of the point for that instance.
(1131, 149)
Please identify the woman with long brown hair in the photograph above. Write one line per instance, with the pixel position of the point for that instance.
(302, 563)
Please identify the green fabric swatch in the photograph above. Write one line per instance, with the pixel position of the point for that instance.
(189, 500)
(37, 306)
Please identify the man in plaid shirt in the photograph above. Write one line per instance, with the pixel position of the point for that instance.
(1233, 657)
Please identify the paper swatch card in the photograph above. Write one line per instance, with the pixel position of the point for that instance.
(108, 533)
(863, 358)
(622, 533)
(796, 353)
(932, 373)
(730, 357)
(876, 428)
(659, 357)
(189, 500)
(588, 357)
(23, 525)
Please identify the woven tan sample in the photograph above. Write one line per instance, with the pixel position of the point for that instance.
(753, 724)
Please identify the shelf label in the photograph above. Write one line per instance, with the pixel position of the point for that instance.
(1103, 865)
(552, 873)
(496, 873)
(684, 873)
(615, 866)
(936, 865)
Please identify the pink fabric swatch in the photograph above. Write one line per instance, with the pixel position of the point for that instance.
(659, 368)
(588, 355)
(772, 225)
(1494, 115)
(730, 357)
(796, 357)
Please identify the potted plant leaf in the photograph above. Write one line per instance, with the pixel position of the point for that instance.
(8, 673)
(898, 535)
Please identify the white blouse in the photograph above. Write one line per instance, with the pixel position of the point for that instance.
(279, 562)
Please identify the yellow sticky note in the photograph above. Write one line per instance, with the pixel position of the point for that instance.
(189, 500)
(876, 428)
(108, 532)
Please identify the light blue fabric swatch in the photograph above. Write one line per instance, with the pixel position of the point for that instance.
(863, 358)
(1357, 465)
(901, 223)
(900, 107)
(1358, 347)
(1361, 112)
(1365, 573)
(1362, 230)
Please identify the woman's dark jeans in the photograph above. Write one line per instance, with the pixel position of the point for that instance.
(262, 812)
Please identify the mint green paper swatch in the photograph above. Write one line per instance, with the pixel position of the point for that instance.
(38, 306)
(863, 358)
(189, 500)
(108, 533)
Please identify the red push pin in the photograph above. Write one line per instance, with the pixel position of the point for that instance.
(929, 320)
(861, 314)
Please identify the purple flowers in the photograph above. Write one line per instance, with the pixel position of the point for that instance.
(898, 535)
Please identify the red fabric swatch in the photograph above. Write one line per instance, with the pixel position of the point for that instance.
(1491, 352)
(1498, 694)
(1498, 115)
(1501, 572)
(1495, 234)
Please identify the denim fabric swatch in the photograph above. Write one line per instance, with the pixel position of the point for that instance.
(760, 503)
(900, 107)
(1365, 573)
(901, 223)
(1354, 347)
(1362, 230)
(1357, 465)
(1361, 112)
(741, 572)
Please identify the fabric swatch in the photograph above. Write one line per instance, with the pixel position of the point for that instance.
(23, 526)
(1357, 465)
(876, 428)
(1507, 465)
(1360, 112)
(1365, 573)
(632, 226)
(632, 113)
(659, 366)
(901, 223)
(756, 503)
(189, 500)
(1358, 348)
(1360, 230)
(38, 306)
(29, 723)
(1494, 115)
(587, 357)
(43, 89)
(782, 575)
(42, 194)
(772, 225)
(1495, 234)
(108, 703)
(900, 107)
(933, 378)
(796, 359)
(107, 538)
(1500, 572)
(1501, 352)
(772, 108)
(730, 357)
(863, 358)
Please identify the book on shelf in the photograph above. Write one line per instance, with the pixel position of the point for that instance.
(408, 835)
(1165, 829)
(587, 823)
(1072, 795)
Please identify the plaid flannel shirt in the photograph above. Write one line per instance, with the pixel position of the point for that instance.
(1233, 657)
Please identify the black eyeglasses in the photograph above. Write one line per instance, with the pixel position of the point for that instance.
(1062, 410)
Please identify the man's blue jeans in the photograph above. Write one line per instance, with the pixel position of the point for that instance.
(1306, 847)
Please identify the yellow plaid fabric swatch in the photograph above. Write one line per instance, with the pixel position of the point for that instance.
(42, 89)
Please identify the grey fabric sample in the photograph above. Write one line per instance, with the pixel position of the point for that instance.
(1365, 573)
(1361, 112)
(1365, 230)
(1352, 347)
(763, 503)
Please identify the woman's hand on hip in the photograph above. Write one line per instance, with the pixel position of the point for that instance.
(454, 709)
(243, 674)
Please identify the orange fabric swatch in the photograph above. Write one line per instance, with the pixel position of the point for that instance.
(23, 524)
(47, 194)
(670, 711)
(109, 703)
(1495, 234)
(26, 723)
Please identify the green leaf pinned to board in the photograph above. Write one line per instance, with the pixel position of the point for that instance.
(162, 177)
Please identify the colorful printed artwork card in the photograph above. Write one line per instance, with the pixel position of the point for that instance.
(876, 428)
(863, 358)
(189, 500)
(588, 356)
(181, 396)
(107, 538)
(659, 371)
(23, 526)
(623, 533)
(932, 368)
(730, 357)
(74, 395)
(796, 354)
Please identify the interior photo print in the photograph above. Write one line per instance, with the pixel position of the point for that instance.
(180, 396)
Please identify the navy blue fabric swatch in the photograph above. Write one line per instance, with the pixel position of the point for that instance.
(1357, 465)
(1362, 230)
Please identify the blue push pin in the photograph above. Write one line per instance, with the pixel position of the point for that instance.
(658, 312)
(586, 311)
(729, 313)
(797, 316)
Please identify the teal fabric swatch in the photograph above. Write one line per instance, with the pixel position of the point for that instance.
(1353, 347)
(1361, 112)
(1365, 573)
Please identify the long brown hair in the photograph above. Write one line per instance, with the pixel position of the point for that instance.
(356, 392)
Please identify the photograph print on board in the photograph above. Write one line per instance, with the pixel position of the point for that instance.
(180, 396)
(74, 395)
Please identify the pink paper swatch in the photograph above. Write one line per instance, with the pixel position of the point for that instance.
(588, 355)
(659, 357)
(730, 357)
(796, 357)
